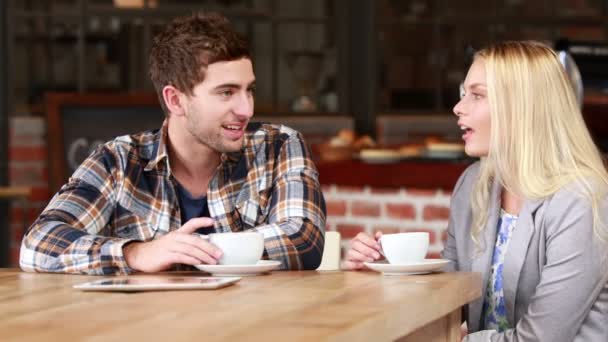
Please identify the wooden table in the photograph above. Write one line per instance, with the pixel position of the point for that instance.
(310, 306)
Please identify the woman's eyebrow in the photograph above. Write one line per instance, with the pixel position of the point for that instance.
(477, 85)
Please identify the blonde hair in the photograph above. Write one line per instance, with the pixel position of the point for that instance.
(538, 140)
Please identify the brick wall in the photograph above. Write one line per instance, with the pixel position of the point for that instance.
(27, 167)
(350, 210)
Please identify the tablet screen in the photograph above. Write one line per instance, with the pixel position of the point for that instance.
(154, 283)
(157, 281)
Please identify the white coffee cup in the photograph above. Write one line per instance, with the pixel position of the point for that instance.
(405, 248)
(242, 248)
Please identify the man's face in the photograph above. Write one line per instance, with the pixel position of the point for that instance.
(218, 111)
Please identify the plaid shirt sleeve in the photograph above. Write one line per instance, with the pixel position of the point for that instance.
(294, 234)
(69, 236)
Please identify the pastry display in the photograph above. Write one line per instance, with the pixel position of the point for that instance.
(343, 145)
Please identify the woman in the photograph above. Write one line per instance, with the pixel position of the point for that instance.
(531, 215)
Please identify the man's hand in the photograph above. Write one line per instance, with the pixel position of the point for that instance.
(177, 247)
(363, 248)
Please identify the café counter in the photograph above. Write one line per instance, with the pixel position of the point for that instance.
(414, 173)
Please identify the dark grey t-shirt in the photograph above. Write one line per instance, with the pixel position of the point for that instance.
(191, 207)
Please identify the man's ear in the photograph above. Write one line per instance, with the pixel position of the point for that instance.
(174, 100)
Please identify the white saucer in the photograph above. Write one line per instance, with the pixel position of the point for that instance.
(240, 270)
(423, 267)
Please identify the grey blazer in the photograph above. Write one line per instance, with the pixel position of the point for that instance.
(555, 271)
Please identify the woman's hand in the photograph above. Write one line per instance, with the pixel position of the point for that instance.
(363, 248)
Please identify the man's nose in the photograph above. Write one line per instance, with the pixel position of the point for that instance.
(244, 107)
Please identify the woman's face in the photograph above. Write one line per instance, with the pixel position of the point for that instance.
(473, 111)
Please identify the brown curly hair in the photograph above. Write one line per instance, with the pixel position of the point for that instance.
(180, 54)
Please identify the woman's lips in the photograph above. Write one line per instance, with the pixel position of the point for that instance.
(467, 134)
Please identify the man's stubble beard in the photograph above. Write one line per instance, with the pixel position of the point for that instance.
(206, 138)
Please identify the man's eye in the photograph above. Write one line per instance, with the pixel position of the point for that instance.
(251, 90)
(477, 96)
(226, 93)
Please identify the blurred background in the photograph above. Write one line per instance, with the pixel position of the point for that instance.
(354, 73)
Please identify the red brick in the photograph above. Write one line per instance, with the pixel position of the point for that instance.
(14, 256)
(28, 174)
(40, 194)
(15, 226)
(18, 235)
(17, 230)
(387, 230)
(27, 140)
(433, 213)
(25, 153)
(362, 208)
(37, 204)
(336, 208)
(401, 211)
(16, 215)
(421, 192)
(27, 126)
(432, 233)
(349, 231)
(344, 188)
(385, 191)
(325, 188)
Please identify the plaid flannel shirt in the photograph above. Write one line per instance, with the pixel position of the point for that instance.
(125, 192)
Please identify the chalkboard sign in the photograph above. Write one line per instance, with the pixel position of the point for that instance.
(78, 123)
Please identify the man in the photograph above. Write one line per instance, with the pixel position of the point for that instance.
(135, 202)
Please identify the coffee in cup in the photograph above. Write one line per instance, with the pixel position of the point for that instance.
(405, 248)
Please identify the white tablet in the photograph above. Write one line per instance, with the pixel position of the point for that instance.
(153, 283)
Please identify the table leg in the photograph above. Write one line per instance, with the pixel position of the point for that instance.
(445, 329)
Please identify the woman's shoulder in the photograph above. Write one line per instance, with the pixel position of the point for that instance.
(461, 193)
(574, 202)
(467, 179)
(579, 193)
(472, 170)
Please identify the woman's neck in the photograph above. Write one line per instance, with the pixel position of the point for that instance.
(511, 203)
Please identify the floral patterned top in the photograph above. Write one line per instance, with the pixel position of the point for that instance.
(494, 310)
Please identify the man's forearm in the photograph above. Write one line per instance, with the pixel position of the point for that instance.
(57, 247)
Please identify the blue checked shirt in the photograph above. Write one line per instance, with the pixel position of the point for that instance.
(125, 192)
